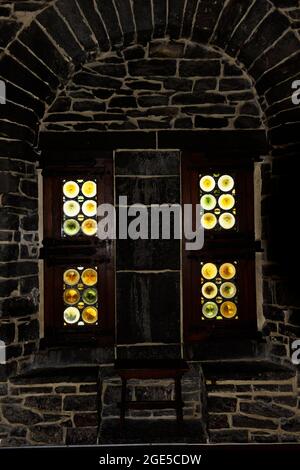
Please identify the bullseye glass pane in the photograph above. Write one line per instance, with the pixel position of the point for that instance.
(80, 296)
(218, 201)
(79, 208)
(218, 291)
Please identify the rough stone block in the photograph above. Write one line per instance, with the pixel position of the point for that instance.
(269, 410)
(83, 420)
(28, 331)
(17, 414)
(199, 68)
(152, 67)
(229, 436)
(143, 19)
(221, 404)
(80, 403)
(19, 306)
(241, 421)
(81, 436)
(47, 433)
(44, 402)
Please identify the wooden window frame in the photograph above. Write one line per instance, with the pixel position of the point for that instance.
(221, 246)
(61, 253)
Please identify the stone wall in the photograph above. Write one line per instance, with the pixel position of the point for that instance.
(252, 403)
(129, 75)
(58, 409)
(164, 85)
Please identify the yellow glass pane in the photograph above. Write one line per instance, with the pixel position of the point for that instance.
(227, 271)
(71, 277)
(208, 221)
(209, 270)
(90, 315)
(71, 296)
(226, 202)
(89, 208)
(227, 220)
(209, 290)
(89, 227)
(89, 189)
(225, 183)
(207, 183)
(89, 277)
(71, 189)
(228, 309)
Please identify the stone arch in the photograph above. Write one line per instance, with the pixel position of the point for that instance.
(165, 84)
(62, 36)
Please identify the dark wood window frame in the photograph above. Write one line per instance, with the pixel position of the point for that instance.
(221, 246)
(61, 253)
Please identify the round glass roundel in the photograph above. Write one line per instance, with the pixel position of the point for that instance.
(71, 227)
(209, 290)
(89, 208)
(225, 183)
(71, 208)
(71, 277)
(228, 290)
(71, 315)
(71, 189)
(89, 227)
(226, 202)
(90, 296)
(209, 271)
(90, 315)
(208, 221)
(227, 220)
(71, 296)
(228, 309)
(89, 277)
(208, 202)
(210, 309)
(227, 271)
(89, 189)
(207, 183)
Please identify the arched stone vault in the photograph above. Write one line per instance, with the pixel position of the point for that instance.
(67, 33)
(162, 85)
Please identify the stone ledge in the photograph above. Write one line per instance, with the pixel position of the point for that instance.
(245, 370)
(76, 374)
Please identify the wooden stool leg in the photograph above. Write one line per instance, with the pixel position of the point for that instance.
(178, 399)
(123, 400)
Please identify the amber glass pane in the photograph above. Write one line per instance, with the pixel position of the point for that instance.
(80, 296)
(79, 208)
(217, 200)
(219, 295)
